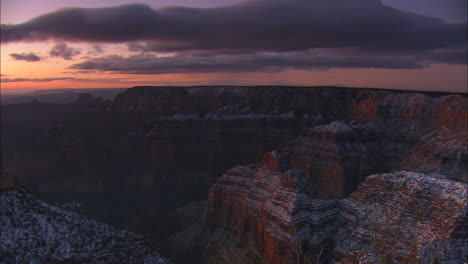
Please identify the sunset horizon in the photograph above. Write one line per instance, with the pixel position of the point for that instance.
(234, 131)
(419, 46)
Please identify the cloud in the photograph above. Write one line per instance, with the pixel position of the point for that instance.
(259, 62)
(253, 35)
(96, 49)
(41, 80)
(450, 56)
(260, 25)
(31, 57)
(136, 46)
(63, 51)
(245, 61)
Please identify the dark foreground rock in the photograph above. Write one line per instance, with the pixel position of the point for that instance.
(33, 231)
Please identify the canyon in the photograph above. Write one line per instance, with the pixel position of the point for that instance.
(297, 174)
(34, 231)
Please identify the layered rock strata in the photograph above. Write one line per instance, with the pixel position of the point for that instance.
(313, 200)
(402, 217)
(165, 146)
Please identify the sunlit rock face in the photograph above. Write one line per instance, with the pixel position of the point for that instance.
(36, 232)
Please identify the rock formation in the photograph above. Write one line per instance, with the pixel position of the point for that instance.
(165, 146)
(322, 197)
(404, 217)
(36, 232)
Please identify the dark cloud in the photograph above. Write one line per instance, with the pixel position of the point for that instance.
(40, 80)
(246, 61)
(31, 57)
(63, 51)
(96, 49)
(260, 62)
(450, 56)
(260, 25)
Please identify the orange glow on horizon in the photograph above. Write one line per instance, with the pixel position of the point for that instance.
(436, 77)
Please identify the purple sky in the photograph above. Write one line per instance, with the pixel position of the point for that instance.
(17, 11)
(414, 44)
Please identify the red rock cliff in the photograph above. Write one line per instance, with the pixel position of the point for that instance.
(314, 192)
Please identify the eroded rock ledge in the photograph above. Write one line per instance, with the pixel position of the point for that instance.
(324, 197)
(33, 231)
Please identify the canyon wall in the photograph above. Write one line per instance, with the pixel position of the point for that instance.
(404, 217)
(385, 183)
(153, 149)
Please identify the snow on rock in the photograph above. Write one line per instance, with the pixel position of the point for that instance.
(33, 231)
(404, 217)
(320, 193)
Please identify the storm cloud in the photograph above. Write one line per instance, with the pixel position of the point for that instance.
(260, 62)
(96, 49)
(251, 36)
(30, 57)
(62, 50)
(261, 25)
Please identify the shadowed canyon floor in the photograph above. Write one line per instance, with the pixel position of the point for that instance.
(257, 174)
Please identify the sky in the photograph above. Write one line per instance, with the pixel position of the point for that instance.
(418, 44)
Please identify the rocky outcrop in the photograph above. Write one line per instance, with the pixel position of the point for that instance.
(440, 152)
(332, 158)
(312, 199)
(404, 217)
(265, 208)
(165, 146)
(36, 232)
